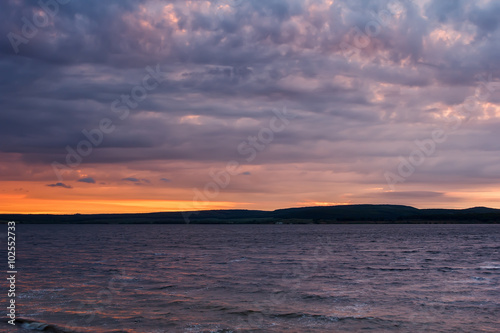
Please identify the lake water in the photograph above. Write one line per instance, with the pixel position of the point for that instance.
(259, 278)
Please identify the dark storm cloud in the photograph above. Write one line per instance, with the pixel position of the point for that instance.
(82, 29)
(59, 185)
(227, 67)
(446, 10)
(137, 181)
(88, 180)
(131, 179)
(486, 18)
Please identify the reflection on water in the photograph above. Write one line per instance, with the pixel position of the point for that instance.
(254, 278)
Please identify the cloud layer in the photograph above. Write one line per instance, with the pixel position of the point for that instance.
(157, 94)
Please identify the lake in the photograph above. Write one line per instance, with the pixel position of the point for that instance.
(259, 278)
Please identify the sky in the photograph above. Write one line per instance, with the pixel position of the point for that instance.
(143, 106)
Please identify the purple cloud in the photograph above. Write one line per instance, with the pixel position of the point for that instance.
(59, 185)
(88, 180)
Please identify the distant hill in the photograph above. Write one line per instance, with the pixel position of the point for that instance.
(321, 214)
(347, 212)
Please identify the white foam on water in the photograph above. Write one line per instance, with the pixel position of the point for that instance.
(238, 260)
(34, 326)
(490, 265)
